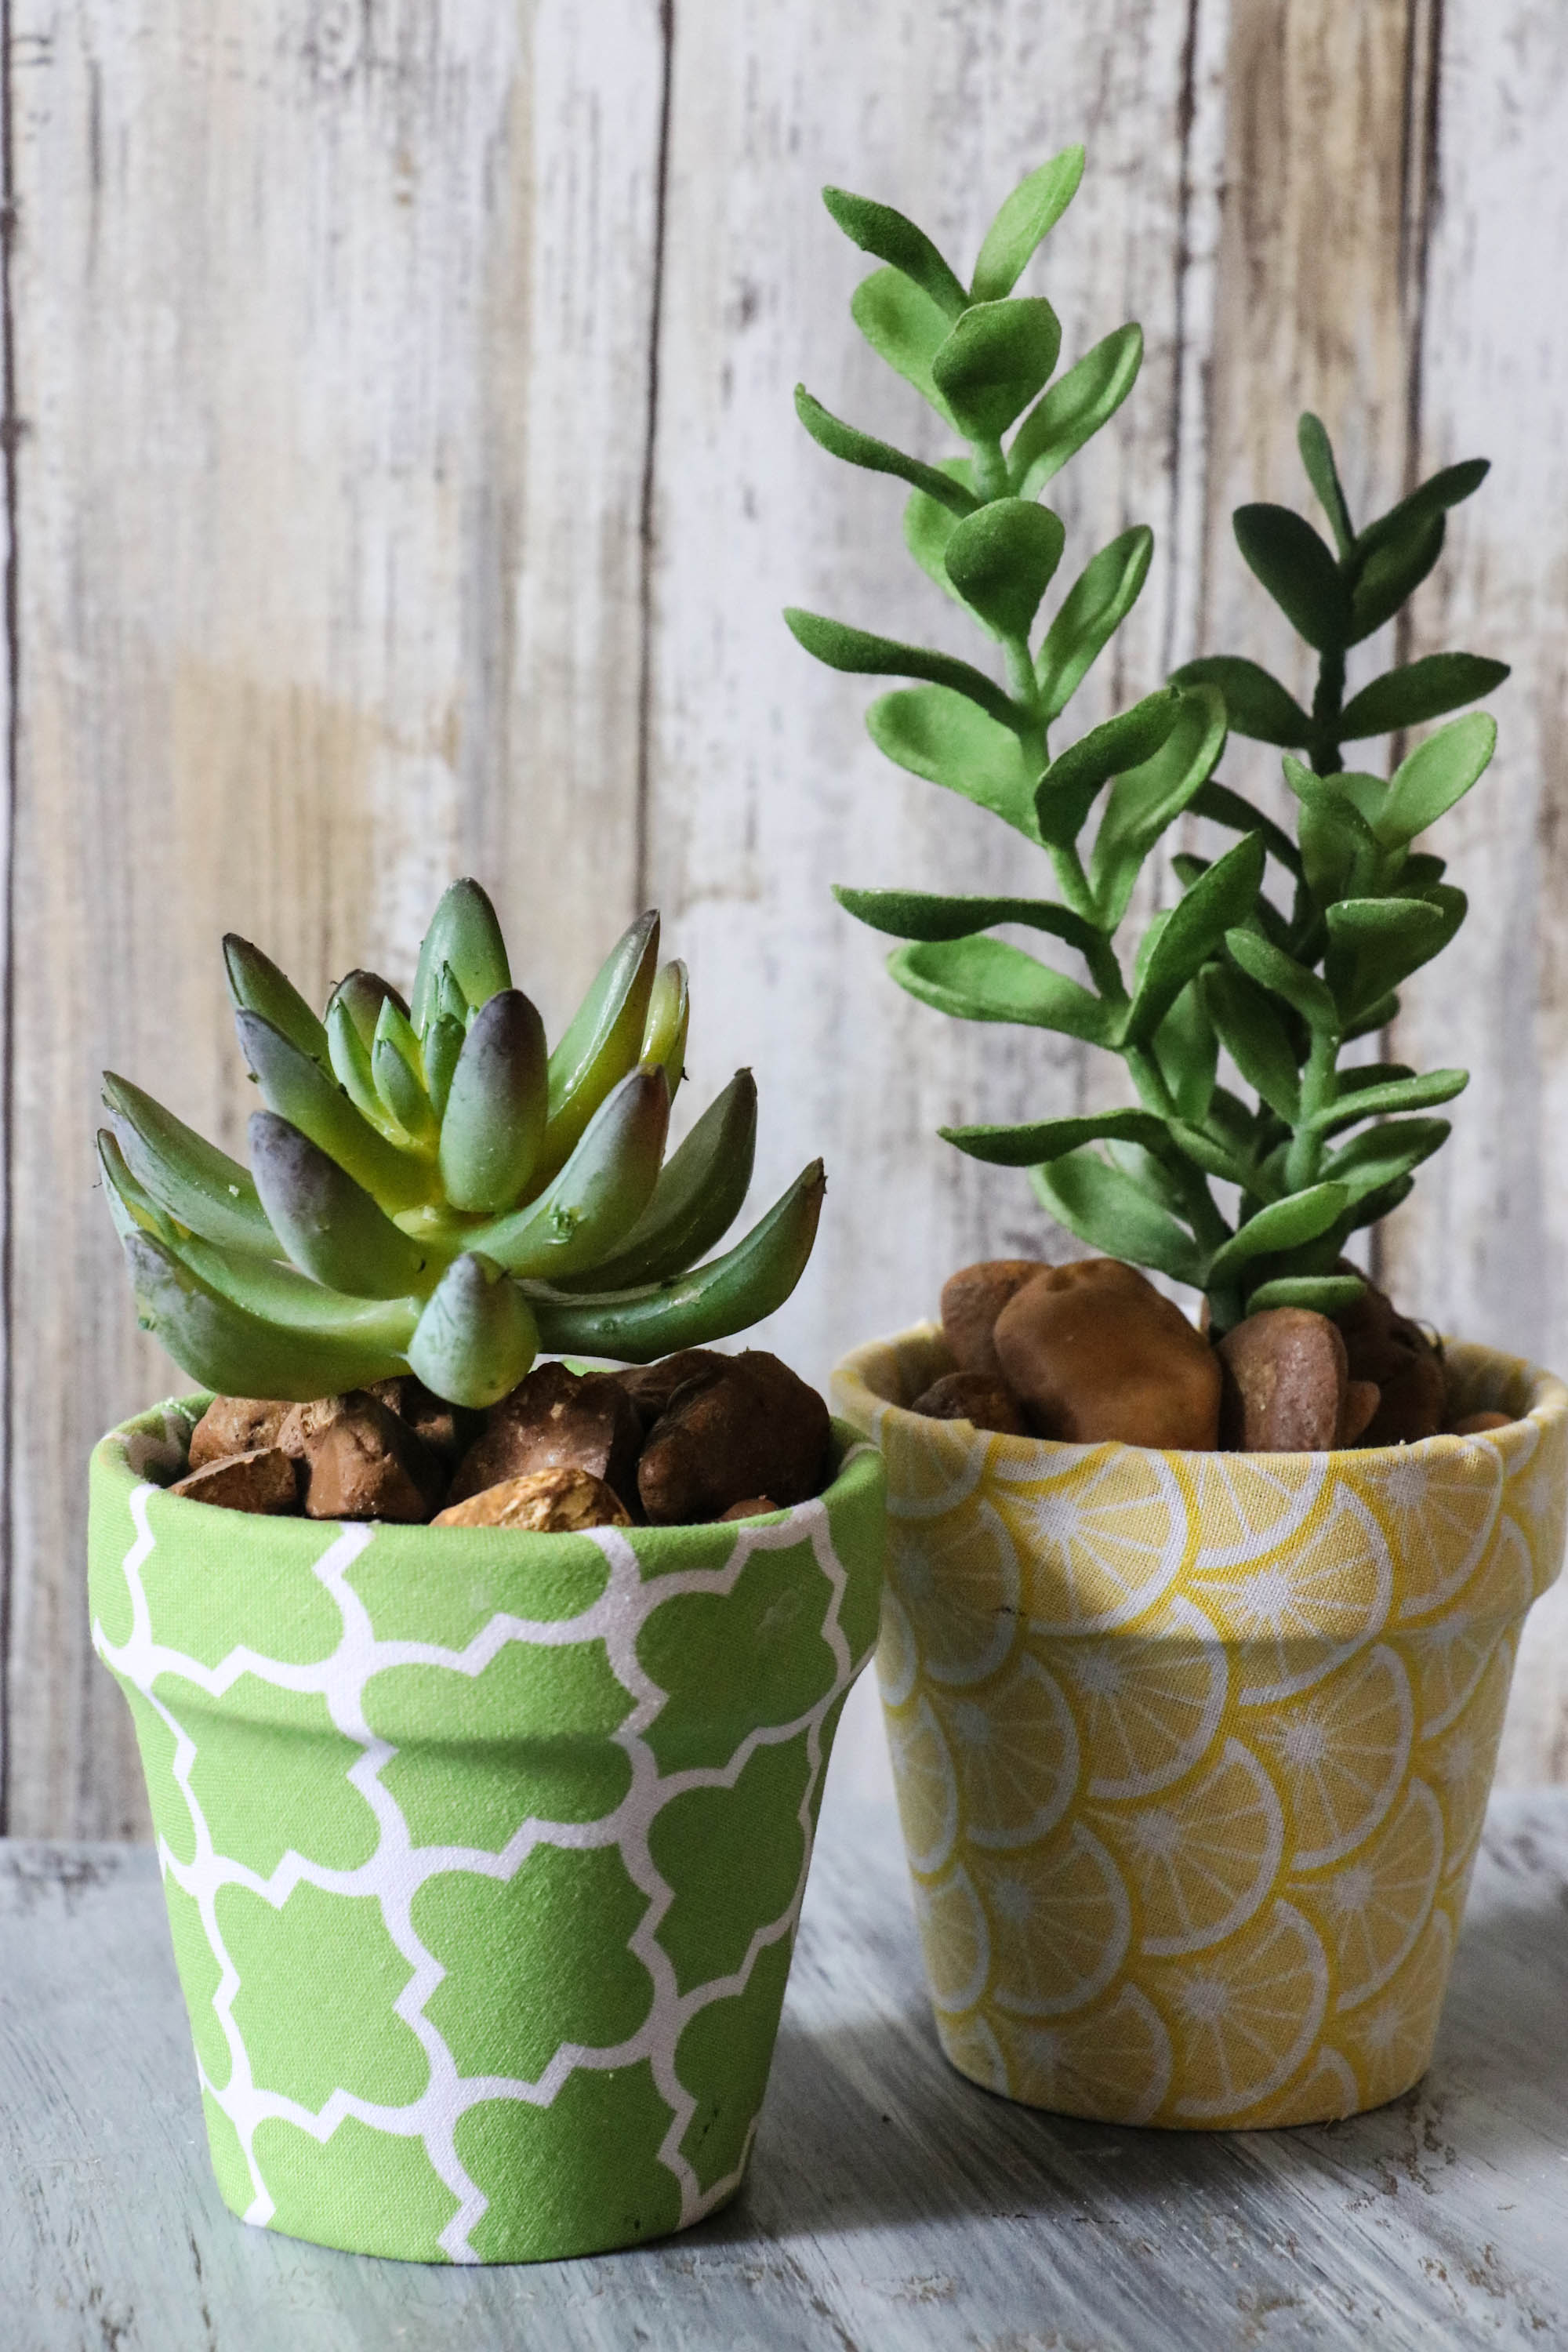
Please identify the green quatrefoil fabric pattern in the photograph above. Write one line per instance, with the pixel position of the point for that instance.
(483, 1851)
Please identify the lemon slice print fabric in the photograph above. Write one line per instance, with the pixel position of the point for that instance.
(1372, 1909)
(1437, 1515)
(1246, 1505)
(1104, 1539)
(1112, 2062)
(1059, 1922)
(1242, 2021)
(897, 1660)
(1448, 1658)
(1148, 1698)
(960, 1583)
(1300, 1608)
(1388, 2042)
(953, 1940)
(1200, 1862)
(1015, 1753)
(1338, 1754)
(923, 1778)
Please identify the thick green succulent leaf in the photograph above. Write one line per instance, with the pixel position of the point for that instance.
(348, 1050)
(993, 361)
(933, 915)
(1283, 1225)
(1071, 785)
(1093, 609)
(941, 736)
(131, 1205)
(878, 229)
(465, 935)
(1255, 1038)
(987, 980)
(1435, 775)
(189, 1178)
(476, 1335)
(292, 1302)
(497, 1104)
(668, 1022)
(1421, 690)
(1449, 487)
(729, 1294)
(1256, 703)
(225, 1348)
(928, 527)
(1318, 456)
(700, 1193)
(331, 1226)
(602, 1042)
(1145, 800)
(1392, 571)
(256, 985)
(1074, 409)
(597, 1198)
(1375, 944)
(1388, 1095)
(874, 457)
(1107, 1208)
(867, 656)
(1382, 1154)
(360, 995)
(1285, 553)
(1325, 1293)
(299, 1091)
(1222, 806)
(443, 1045)
(1045, 1140)
(1187, 1052)
(1002, 560)
(904, 326)
(401, 1088)
(1195, 927)
(1285, 978)
(1028, 217)
(1341, 855)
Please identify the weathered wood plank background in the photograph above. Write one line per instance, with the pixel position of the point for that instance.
(401, 478)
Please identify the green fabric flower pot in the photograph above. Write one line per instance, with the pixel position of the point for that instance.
(483, 1850)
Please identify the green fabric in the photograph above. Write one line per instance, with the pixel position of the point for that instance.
(483, 1850)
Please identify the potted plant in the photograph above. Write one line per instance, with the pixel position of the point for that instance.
(1196, 1640)
(483, 1840)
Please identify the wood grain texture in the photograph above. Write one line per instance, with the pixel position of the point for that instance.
(891, 2207)
(332, 328)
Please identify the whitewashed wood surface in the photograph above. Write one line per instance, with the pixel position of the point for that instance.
(402, 479)
(891, 2207)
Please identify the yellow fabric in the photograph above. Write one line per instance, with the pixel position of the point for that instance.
(1193, 1750)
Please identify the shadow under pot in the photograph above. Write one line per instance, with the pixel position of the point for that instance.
(483, 1849)
(1193, 1750)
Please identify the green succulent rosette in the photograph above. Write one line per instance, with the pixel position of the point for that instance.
(483, 1850)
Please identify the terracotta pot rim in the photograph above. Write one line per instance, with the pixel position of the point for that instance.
(1548, 1405)
(854, 1455)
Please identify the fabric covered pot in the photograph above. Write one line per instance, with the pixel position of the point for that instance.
(483, 1850)
(1193, 1749)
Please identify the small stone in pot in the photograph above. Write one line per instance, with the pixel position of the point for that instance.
(1362, 1401)
(1285, 1376)
(445, 1429)
(976, 1397)
(651, 1386)
(233, 1425)
(1093, 1353)
(362, 1461)
(559, 1501)
(1476, 1424)
(755, 1429)
(556, 1418)
(1385, 1347)
(755, 1506)
(972, 1299)
(264, 1479)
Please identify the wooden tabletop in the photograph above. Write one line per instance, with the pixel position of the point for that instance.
(891, 2206)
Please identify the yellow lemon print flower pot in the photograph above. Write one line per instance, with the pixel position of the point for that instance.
(1192, 1750)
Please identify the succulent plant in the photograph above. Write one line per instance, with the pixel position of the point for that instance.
(1322, 1148)
(432, 1190)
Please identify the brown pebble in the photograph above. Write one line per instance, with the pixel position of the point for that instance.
(1476, 1424)
(445, 1429)
(972, 1299)
(236, 1425)
(1386, 1347)
(1284, 1383)
(362, 1461)
(974, 1397)
(651, 1386)
(757, 1429)
(546, 1502)
(1092, 1355)
(753, 1507)
(263, 1480)
(553, 1420)
(1362, 1401)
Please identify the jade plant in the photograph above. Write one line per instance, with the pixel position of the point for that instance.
(1280, 986)
(432, 1190)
